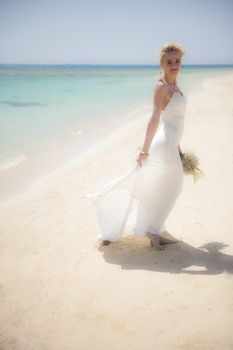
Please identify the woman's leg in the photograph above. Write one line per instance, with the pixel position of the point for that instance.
(154, 240)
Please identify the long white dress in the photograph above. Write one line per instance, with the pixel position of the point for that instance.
(141, 199)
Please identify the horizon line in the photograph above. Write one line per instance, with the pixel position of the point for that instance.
(113, 64)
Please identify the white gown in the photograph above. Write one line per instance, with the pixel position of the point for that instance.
(141, 199)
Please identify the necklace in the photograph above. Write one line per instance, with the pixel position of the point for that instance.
(172, 85)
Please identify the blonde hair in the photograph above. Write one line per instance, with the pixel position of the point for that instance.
(170, 48)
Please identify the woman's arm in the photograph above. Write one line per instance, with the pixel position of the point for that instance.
(159, 93)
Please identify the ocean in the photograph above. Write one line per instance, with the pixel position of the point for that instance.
(52, 113)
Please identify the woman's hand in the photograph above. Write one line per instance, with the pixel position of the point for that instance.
(141, 157)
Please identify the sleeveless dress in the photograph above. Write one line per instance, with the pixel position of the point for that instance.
(141, 199)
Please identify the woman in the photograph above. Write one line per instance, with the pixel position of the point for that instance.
(142, 199)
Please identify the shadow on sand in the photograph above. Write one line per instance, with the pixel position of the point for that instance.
(132, 252)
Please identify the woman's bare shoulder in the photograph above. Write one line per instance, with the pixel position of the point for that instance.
(160, 88)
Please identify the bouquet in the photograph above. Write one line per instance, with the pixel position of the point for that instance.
(190, 164)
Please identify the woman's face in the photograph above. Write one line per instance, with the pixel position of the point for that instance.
(171, 63)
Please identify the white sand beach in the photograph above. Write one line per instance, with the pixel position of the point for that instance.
(62, 290)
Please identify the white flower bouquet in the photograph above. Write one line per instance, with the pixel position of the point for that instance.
(190, 164)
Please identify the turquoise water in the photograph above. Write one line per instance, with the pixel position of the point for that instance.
(40, 104)
(59, 111)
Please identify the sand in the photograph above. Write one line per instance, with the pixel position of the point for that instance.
(61, 289)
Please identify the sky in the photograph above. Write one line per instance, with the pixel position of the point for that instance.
(114, 31)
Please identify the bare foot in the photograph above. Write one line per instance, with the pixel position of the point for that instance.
(163, 240)
(106, 242)
(154, 241)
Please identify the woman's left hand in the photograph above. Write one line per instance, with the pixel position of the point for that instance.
(141, 158)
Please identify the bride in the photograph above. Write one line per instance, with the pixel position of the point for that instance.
(142, 199)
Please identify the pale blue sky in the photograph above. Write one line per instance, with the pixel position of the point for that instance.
(114, 31)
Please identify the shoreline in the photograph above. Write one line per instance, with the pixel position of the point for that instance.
(58, 154)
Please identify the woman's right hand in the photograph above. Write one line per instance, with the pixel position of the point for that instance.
(141, 158)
